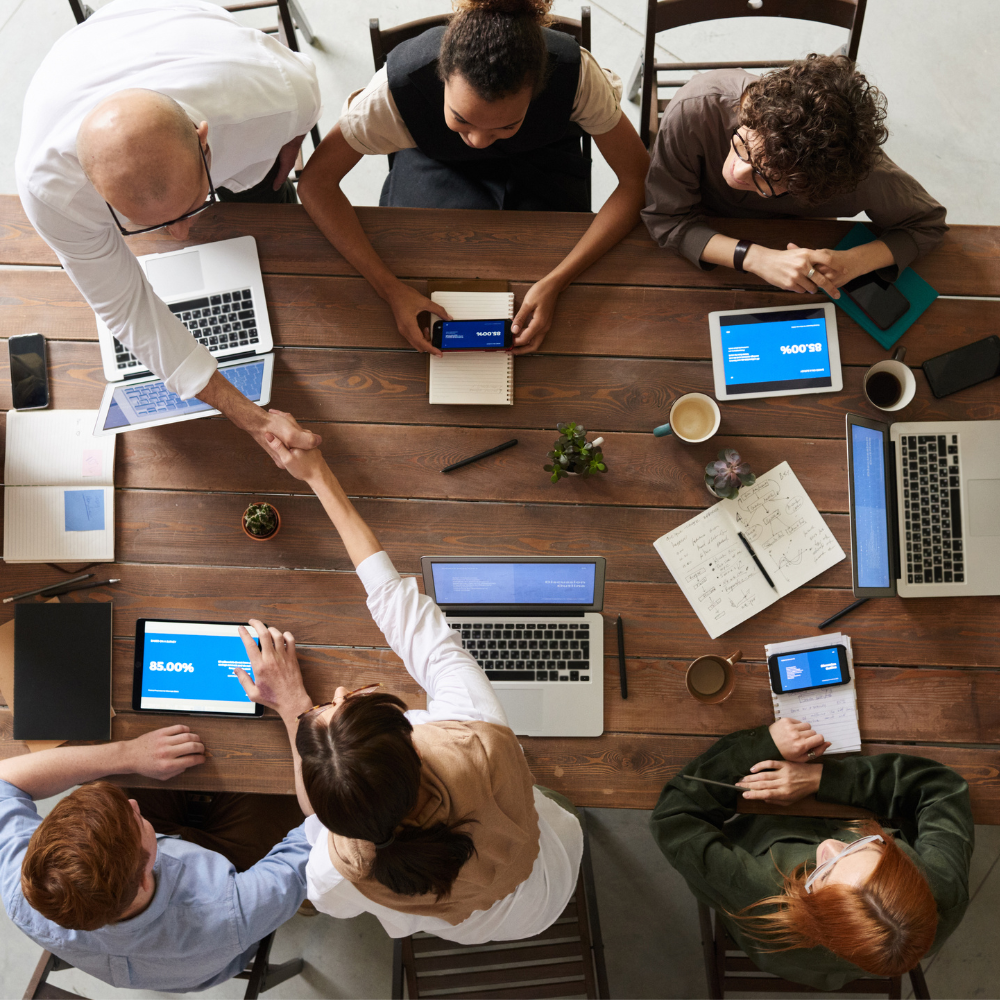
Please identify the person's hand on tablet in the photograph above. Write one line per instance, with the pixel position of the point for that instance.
(277, 680)
(164, 753)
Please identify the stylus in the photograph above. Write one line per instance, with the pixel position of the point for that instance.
(709, 781)
(87, 586)
(842, 612)
(51, 586)
(622, 676)
(753, 555)
(482, 454)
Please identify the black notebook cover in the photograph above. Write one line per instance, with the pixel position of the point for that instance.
(62, 671)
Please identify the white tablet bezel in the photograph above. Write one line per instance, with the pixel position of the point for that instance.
(109, 391)
(833, 342)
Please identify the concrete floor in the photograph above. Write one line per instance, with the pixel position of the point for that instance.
(934, 62)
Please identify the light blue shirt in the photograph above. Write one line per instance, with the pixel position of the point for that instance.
(201, 927)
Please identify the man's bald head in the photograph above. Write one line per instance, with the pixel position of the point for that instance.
(141, 152)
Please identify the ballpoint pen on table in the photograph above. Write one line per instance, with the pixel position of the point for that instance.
(51, 586)
(622, 675)
(760, 566)
(86, 586)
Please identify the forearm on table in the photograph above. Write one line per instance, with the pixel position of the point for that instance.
(870, 257)
(358, 538)
(50, 772)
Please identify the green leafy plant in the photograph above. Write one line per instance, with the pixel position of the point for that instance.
(573, 453)
(260, 520)
(726, 476)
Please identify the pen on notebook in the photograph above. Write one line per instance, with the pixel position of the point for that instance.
(709, 781)
(753, 555)
(622, 676)
(842, 612)
(87, 586)
(482, 454)
(51, 586)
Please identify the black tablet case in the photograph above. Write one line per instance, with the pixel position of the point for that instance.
(62, 671)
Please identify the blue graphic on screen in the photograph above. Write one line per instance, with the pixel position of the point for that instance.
(182, 671)
(764, 352)
(871, 524)
(809, 669)
(514, 583)
(472, 334)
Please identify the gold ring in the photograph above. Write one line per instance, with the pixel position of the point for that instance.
(812, 271)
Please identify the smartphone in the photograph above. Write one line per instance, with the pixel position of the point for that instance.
(880, 300)
(810, 668)
(29, 379)
(472, 334)
(965, 366)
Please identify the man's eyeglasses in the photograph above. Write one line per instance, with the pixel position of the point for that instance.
(367, 689)
(212, 199)
(824, 869)
(759, 178)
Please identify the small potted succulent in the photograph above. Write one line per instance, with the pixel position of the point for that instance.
(727, 475)
(261, 521)
(574, 455)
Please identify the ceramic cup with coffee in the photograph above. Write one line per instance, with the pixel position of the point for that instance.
(711, 679)
(694, 417)
(890, 385)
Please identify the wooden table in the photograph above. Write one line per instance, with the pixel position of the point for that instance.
(629, 337)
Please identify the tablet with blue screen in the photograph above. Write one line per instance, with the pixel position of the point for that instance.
(189, 668)
(785, 351)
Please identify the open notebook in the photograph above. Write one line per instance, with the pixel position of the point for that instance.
(58, 489)
(474, 377)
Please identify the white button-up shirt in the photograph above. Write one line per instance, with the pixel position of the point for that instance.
(457, 690)
(255, 94)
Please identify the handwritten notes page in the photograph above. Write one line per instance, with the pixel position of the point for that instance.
(833, 712)
(716, 573)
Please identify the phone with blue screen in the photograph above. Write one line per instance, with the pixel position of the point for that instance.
(472, 334)
(809, 668)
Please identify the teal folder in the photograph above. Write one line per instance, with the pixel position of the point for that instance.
(916, 291)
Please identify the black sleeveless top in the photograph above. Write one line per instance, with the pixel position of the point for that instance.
(419, 97)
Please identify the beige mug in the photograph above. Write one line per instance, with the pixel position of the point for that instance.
(890, 385)
(711, 679)
(694, 417)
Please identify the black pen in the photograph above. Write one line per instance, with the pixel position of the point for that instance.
(482, 454)
(622, 676)
(51, 586)
(753, 555)
(709, 781)
(842, 612)
(86, 586)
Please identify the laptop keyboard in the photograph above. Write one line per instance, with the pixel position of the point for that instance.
(154, 397)
(219, 322)
(529, 651)
(932, 506)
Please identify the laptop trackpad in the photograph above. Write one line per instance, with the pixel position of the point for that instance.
(525, 709)
(178, 275)
(984, 506)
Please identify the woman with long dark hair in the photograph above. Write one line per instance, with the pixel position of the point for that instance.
(428, 819)
(822, 901)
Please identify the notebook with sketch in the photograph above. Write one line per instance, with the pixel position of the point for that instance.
(832, 712)
(59, 489)
(473, 377)
(718, 575)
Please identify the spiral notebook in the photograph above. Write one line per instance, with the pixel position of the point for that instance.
(474, 377)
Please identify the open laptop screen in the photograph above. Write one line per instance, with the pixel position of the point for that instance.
(871, 520)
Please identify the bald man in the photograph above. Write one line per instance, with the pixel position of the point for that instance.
(127, 120)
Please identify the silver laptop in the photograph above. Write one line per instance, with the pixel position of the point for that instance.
(534, 626)
(215, 290)
(925, 507)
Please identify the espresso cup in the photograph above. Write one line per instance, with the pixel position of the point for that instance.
(890, 385)
(711, 679)
(694, 417)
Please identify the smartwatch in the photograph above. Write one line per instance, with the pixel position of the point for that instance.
(740, 252)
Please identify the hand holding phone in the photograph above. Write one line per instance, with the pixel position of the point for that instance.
(29, 380)
(472, 335)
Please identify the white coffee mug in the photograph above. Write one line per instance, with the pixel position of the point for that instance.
(903, 376)
(694, 417)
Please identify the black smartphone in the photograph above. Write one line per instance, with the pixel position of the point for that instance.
(965, 366)
(29, 378)
(810, 668)
(880, 300)
(472, 334)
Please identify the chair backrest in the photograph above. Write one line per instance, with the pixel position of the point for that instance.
(661, 15)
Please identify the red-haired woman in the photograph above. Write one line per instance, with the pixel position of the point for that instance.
(821, 901)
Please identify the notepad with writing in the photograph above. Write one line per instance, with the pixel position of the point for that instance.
(718, 575)
(473, 377)
(58, 488)
(832, 712)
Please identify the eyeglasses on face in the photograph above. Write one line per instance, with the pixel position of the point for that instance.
(212, 199)
(759, 178)
(367, 689)
(824, 869)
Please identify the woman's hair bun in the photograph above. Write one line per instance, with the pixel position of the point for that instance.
(537, 10)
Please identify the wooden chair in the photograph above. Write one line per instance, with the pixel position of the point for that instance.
(261, 974)
(565, 960)
(728, 968)
(384, 40)
(661, 15)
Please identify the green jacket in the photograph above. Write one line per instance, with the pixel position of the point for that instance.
(730, 860)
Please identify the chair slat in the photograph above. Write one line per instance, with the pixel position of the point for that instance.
(473, 979)
(517, 954)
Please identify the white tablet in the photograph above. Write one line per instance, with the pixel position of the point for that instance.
(147, 402)
(785, 351)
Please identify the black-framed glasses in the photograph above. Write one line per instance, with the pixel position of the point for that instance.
(212, 199)
(742, 150)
